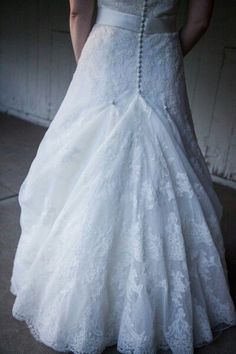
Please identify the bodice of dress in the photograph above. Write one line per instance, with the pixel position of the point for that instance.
(155, 8)
(141, 16)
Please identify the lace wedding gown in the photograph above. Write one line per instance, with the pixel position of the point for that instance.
(121, 239)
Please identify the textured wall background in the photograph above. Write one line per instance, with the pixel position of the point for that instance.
(211, 81)
(37, 60)
(37, 63)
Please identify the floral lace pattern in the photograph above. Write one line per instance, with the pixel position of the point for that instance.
(121, 242)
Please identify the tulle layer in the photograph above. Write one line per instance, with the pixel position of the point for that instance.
(120, 239)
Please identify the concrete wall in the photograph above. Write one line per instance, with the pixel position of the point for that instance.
(211, 80)
(37, 63)
(37, 60)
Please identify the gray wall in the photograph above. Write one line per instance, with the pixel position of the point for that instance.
(37, 63)
(211, 80)
(37, 60)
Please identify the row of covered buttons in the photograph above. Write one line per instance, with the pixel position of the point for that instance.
(142, 26)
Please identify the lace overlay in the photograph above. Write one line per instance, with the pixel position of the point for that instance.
(121, 241)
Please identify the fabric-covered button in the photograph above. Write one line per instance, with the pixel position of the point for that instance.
(139, 66)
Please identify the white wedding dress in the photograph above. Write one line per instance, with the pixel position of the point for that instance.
(121, 241)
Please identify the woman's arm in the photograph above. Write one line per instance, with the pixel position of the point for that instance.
(198, 19)
(81, 21)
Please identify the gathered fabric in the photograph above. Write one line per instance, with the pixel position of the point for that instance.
(120, 224)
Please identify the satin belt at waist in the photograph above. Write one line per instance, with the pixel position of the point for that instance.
(132, 22)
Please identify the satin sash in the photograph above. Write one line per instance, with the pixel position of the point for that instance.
(107, 16)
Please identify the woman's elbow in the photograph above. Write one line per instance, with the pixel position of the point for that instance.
(74, 14)
(200, 25)
(81, 8)
(204, 24)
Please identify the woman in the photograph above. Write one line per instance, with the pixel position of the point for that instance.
(121, 241)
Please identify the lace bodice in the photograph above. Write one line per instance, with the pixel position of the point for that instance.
(155, 8)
